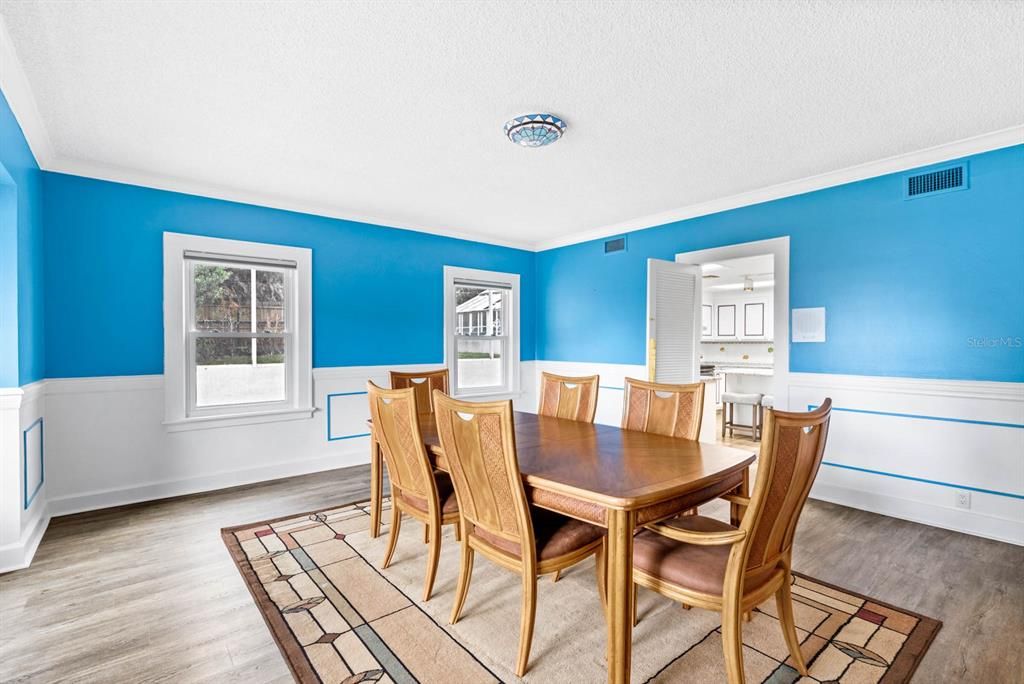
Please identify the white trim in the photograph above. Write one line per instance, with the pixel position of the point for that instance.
(924, 513)
(176, 365)
(104, 383)
(881, 167)
(960, 389)
(512, 321)
(779, 249)
(19, 555)
(106, 498)
(221, 420)
(115, 174)
(19, 95)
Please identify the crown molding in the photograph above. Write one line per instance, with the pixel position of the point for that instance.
(931, 155)
(143, 179)
(16, 89)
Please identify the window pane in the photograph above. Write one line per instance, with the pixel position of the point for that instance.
(226, 372)
(270, 314)
(480, 363)
(480, 309)
(223, 301)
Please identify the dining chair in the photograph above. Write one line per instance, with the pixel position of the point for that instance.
(671, 410)
(416, 489)
(703, 562)
(478, 440)
(567, 397)
(424, 383)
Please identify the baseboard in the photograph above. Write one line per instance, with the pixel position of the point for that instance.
(19, 555)
(96, 500)
(957, 520)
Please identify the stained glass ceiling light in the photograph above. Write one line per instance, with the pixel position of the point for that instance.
(534, 130)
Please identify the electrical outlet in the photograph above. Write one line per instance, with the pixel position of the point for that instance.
(963, 498)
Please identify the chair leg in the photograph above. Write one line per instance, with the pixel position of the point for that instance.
(600, 563)
(725, 416)
(433, 555)
(529, 612)
(555, 576)
(732, 641)
(784, 603)
(465, 574)
(396, 526)
(426, 533)
(458, 532)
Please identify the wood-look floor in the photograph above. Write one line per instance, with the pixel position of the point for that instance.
(147, 593)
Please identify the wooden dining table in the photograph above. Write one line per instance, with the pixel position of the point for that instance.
(617, 479)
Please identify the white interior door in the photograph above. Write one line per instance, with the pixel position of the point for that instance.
(673, 321)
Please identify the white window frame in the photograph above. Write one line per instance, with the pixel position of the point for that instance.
(510, 323)
(180, 411)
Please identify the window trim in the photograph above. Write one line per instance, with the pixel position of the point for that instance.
(512, 368)
(178, 386)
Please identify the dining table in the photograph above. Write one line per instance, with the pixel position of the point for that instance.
(614, 478)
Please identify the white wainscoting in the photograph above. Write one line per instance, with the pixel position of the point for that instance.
(898, 446)
(106, 444)
(906, 448)
(24, 511)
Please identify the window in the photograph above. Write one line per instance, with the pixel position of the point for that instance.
(237, 344)
(481, 331)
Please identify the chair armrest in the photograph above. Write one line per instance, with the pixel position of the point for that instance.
(736, 499)
(698, 538)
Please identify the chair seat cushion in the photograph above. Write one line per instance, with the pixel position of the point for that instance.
(556, 535)
(741, 398)
(445, 494)
(698, 568)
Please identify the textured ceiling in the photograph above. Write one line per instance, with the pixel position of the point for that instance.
(393, 111)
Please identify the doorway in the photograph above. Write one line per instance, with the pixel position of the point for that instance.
(744, 348)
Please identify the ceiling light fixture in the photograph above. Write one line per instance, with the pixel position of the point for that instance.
(534, 130)
(748, 284)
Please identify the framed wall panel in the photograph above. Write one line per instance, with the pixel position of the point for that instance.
(753, 320)
(726, 320)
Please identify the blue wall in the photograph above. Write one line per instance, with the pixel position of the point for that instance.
(21, 257)
(906, 284)
(377, 292)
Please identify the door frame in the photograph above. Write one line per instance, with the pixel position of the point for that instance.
(779, 249)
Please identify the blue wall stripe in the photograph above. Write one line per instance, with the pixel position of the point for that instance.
(926, 481)
(328, 401)
(29, 498)
(811, 407)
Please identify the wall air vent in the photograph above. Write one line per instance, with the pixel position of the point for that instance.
(615, 245)
(946, 179)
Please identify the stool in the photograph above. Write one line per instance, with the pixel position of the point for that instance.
(767, 402)
(729, 403)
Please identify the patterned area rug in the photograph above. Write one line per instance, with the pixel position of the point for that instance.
(338, 618)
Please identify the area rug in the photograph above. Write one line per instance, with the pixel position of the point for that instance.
(338, 618)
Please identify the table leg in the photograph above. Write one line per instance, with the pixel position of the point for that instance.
(620, 594)
(736, 511)
(376, 486)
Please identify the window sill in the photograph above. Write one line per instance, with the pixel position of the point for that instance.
(236, 419)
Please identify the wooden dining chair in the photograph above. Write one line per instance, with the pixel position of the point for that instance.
(424, 383)
(671, 410)
(478, 440)
(416, 489)
(566, 397)
(703, 562)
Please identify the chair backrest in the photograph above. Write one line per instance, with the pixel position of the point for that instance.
(424, 383)
(672, 410)
(792, 448)
(479, 445)
(397, 429)
(565, 397)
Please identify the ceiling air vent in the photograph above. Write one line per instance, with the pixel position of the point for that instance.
(947, 179)
(614, 245)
